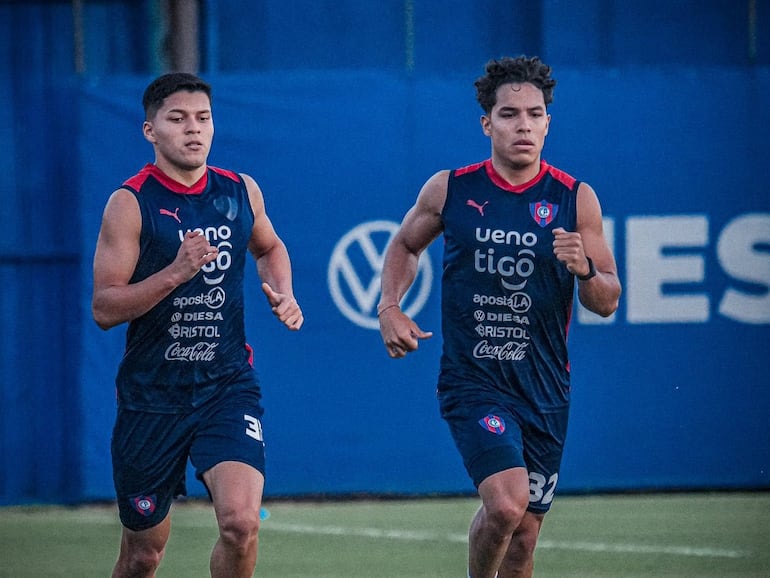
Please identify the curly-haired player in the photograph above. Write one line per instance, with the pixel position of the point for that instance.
(518, 234)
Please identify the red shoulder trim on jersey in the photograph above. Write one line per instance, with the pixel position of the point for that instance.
(469, 168)
(567, 180)
(135, 183)
(498, 180)
(225, 173)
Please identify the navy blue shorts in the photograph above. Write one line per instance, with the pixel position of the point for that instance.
(493, 436)
(150, 451)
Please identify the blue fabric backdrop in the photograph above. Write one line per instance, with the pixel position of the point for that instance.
(657, 404)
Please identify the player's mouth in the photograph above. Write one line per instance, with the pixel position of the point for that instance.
(523, 142)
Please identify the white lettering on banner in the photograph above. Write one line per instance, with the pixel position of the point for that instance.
(662, 252)
(668, 250)
(739, 254)
(650, 265)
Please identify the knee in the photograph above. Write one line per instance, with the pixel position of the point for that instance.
(239, 529)
(140, 561)
(504, 516)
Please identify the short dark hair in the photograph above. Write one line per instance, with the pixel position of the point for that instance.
(513, 70)
(166, 85)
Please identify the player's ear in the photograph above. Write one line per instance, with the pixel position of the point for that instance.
(485, 124)
(147, 130)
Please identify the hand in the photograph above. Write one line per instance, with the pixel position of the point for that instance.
(284, 307)
(568, 249)
(193, 253)
(400, 333)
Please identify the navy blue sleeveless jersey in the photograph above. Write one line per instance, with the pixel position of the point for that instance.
(193, 342)
(506, 301)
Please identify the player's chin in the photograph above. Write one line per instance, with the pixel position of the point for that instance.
(192, 162)
(521, 160)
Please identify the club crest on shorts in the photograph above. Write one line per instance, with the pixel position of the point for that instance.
(543, 212)
(145, 505)
(493, 424)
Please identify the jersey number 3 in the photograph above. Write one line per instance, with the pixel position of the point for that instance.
(253, 427)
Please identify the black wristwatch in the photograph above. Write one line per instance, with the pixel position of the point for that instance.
(591, 271)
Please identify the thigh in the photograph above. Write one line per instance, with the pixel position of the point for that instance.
(235, 489)
(149, 458)
(487, 435)
(230, 431)
(506, 489)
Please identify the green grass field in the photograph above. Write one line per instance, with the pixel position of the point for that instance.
(683, 535)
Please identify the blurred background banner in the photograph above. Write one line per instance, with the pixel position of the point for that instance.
(341, 111)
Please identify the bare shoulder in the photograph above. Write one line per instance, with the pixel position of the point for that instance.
(117, 246)
(255, 194)
(122, 199)
(589, 210)
(251, 184)
(591, 228)
(423, 222)
(122, 211)
(249, 180)
(433, 193)
(586, 192)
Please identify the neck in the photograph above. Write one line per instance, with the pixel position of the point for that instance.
(516, 174)
(187, 177)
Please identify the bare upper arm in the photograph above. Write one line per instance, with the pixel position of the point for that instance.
(423, 223)
(591, 229)
(117, 247)
(263, 235)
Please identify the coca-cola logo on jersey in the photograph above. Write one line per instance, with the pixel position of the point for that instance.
(201, 351)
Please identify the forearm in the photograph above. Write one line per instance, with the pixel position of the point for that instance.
(115, 304)
(600, 294)
(274, 268)
(398, 273)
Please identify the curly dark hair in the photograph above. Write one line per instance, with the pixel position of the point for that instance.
(517, 70)
(166, 85)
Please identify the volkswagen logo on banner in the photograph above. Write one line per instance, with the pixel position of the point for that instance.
(355, 270)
